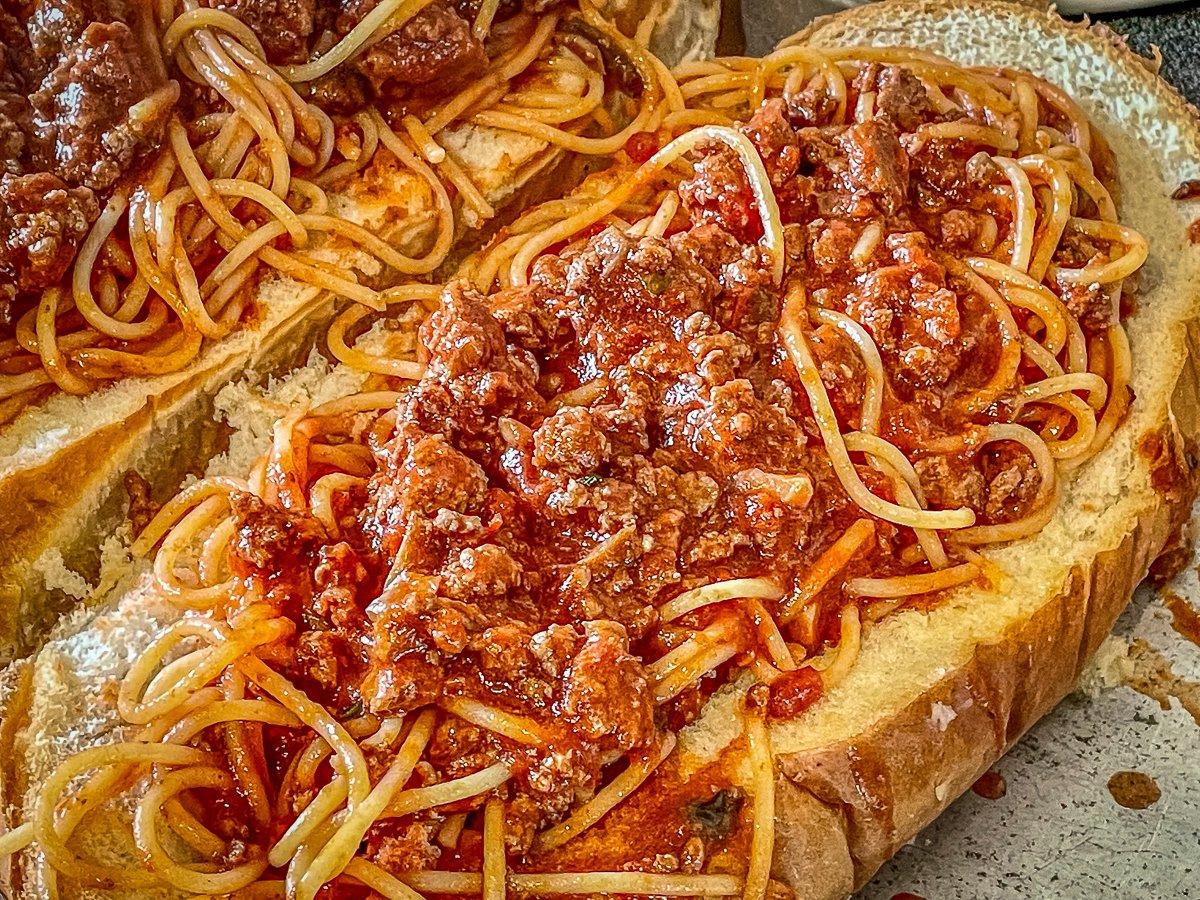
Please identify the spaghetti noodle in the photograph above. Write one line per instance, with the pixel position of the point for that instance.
(718, 412)
(242, 189)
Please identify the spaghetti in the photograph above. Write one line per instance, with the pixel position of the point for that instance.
(242, 188)
(718, 413)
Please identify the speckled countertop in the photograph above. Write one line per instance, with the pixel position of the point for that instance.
(1058, 832)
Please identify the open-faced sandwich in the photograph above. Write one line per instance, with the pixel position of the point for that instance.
(712, 527)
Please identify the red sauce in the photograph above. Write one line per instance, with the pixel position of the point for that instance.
(1193, 232)
(1185, 618)
(705, 807)
(990, 785)
(1169, 472)
(513, 547)
(1134, 790)
(794, 693)
(642, 145)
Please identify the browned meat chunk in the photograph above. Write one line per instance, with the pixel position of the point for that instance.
(458, 747)
(461, 335)
(283, 26)
(42, 222)
(959, 229)
(738, 271)
(269, 537)
(606, 691)
(528, 320)
(142, 508)
(319, 655)
(342, 92)
(601, 585)
(899, 95)
(13, 138)
(435, 476)
(415, 633)
(85, 108)
(403, 847)
(1090, 304)
(434, 47)
(1012, 483)
(832, 245)
(950, 482)
(503, 652)
(840, 365)
(56, 26)
(572, 441)
(15, 69)
(719, 192)
(775, 139)
(811, 107)
(731, 425)
(337, 576)
(877, 164)
(479, 573)
(16, 54)
(911, 313)
(606, 287)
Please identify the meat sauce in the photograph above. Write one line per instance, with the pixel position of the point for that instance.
(515, 541)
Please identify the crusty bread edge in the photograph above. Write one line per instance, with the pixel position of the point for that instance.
(862, 799)
(66, 501)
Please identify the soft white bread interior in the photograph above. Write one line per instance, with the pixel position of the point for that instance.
(74, 680)
(63, 461)
(936, 696)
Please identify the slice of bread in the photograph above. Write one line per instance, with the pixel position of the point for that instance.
(936, 695)
(62, 462)
(63, 699)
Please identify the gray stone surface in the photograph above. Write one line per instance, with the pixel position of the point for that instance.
(1175, 30)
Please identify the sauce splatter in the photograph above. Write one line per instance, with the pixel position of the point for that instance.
(905, 895)
(990, 786)
(1193, 232)
(1185, 618)
(1152, 675)
(1134, 790)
